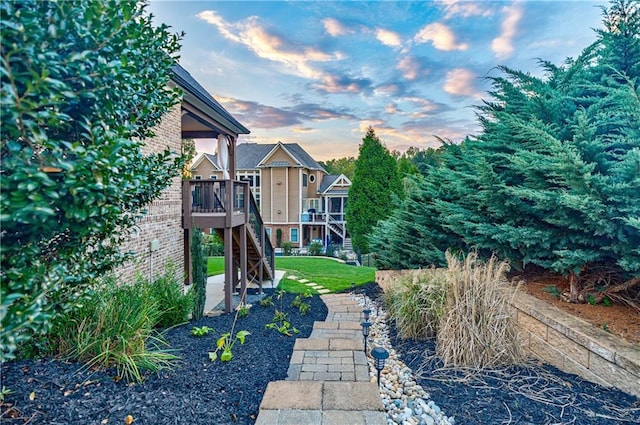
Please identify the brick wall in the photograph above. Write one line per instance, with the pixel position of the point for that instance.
(163, 220)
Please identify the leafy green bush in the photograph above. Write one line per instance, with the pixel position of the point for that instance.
(213, 245)
(201, 331)
(267, 301)
(83, 84)
(167, 292)
(115, 329)
(416, 303)
(315, 248)
(287, 248)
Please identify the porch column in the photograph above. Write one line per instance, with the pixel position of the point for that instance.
(228, 269)
(243, 263)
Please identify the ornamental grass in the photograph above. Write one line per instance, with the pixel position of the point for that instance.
(416, 303)
(477, 330)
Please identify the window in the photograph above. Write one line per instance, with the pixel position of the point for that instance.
(197, 177)
(294, 235)
(213, 177)
(268, 230)
(312, 178)
(304, 180)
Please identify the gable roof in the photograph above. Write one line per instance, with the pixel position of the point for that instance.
(334, 184)
(206, 156)
(326, 182)
(249, 156)
(193, 90)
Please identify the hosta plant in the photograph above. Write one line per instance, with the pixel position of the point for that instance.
(201, 331)
(226, 343)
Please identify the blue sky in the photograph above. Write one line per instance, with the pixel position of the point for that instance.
(318, 73)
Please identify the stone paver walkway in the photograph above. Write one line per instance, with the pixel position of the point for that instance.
(319, 288)
(328, 377)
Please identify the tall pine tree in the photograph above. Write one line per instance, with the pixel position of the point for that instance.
(376, 181)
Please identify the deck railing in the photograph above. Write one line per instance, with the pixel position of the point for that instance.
(209, 196)
(255, 219)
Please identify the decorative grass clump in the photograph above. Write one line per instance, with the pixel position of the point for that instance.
(416, 303)
(477, 330)
(115, 329)
(166, 290)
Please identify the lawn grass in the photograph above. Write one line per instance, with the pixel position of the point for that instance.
(333, 275)
(215, 265)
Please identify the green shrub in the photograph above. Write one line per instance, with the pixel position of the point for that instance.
(287, 248)
(315, 248)
(416, 303)
(201, 331)
(331, 250)
(115, 329)
(213, 245)
(167, 292)
(199, 274)
(267, 301)
(75, 178)
(243, 311)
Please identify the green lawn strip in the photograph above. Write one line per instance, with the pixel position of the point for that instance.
(215, 265)
(295, 287)
(332, 275)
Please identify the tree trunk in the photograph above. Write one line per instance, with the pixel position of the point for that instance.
(616, 289)
(574, 288)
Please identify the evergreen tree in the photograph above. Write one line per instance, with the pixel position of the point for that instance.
(375, 183)
(413, 235)
(554, 177)
(199, 273)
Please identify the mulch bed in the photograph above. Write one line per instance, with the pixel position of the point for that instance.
(196, 391)
(532, 395)
(200, 392)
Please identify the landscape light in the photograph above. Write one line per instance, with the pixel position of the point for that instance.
(366, 312)
(380, 356)
(365, 333)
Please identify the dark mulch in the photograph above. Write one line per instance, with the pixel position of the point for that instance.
(537, 394)
(195, 392)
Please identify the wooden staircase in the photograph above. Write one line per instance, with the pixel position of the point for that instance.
(229, 207)
(259, 267)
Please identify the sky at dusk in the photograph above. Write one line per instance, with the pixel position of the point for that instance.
(318, 73)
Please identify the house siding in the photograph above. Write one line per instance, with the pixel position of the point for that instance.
(279, 196)
(280, 155)
(163, 220)
(295, 181)
(205, 169)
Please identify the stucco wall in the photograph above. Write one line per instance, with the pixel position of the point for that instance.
(163, 220)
